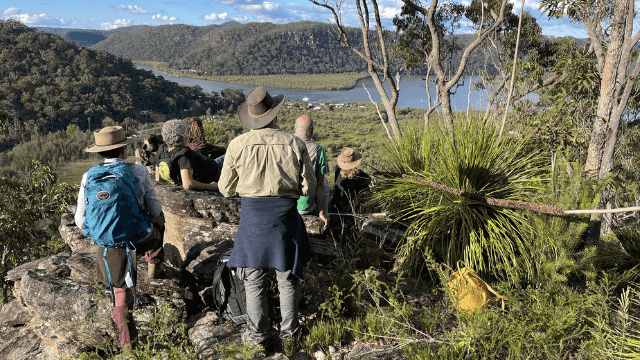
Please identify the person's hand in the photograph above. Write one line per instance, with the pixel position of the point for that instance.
(138, 153)
(160, 219)
(324, 218)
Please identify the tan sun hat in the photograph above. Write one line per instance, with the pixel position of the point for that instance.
(260, 108)
(110, 137)
(349, 158)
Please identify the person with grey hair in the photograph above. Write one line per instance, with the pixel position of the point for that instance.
(179, 165)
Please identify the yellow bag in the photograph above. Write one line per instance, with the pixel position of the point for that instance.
(469, 292)
(165, 173)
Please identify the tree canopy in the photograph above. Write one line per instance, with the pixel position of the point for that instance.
(47, 84)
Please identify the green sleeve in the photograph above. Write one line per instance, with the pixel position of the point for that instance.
(322, 160)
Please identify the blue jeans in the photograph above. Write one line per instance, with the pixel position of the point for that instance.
(255, 285)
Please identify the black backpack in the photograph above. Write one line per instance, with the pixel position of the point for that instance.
(228, 293)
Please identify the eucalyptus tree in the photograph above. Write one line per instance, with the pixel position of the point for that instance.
(535, 58)
(374, 50)
(439, 19)
(609, 25)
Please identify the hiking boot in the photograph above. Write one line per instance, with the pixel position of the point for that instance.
(155, 271)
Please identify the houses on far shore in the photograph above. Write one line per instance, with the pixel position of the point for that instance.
(321, 106)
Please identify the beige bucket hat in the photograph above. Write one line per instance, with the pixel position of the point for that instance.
(349, 158)
(110, 137)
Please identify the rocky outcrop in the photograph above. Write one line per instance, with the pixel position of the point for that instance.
(60, 311)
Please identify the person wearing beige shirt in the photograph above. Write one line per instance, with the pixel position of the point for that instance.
(269, 169)
(267, 162)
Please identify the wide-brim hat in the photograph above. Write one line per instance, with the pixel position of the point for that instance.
(349, 158)
(109, 138)
(260, 108)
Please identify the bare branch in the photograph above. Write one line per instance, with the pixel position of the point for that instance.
(379, 114)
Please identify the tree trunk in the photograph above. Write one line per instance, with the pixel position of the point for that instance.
(447, 114)
(605, 128)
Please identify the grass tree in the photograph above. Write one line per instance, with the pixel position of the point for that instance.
(474, 160)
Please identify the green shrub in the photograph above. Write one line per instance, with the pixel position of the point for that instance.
(474, 160)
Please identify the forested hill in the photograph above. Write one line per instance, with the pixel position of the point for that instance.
(240, 49)
(47, 83)
(303, 47)
(164, 43)
(85, 37)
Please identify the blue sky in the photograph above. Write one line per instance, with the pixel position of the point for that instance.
(108, 14)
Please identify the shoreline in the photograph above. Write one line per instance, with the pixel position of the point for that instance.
(317, 82)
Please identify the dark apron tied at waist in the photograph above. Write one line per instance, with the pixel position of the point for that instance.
(271, 235)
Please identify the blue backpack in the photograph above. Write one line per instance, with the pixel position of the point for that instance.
(114, 218)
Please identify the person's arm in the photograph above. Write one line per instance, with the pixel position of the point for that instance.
(308, 180)
(151, 201)
(320, 200)
(81, 207)
(188, 183)
(229, 176)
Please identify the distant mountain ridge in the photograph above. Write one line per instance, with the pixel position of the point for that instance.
(85, 37)
(240, 49)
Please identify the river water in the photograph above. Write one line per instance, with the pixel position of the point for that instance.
(412, 91)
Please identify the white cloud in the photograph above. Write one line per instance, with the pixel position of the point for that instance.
(388, 12)
(529, 4)
(240, 18)
(35, 19)
(116, 24)
(11, 11)
(265, 6)
(133, 8)
(164, 17)
(216, 17)
(237, 2)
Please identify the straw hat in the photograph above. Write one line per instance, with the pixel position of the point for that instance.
(109, 138)
(349, 158)
(260, 108)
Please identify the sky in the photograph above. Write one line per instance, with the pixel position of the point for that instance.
(108, 14)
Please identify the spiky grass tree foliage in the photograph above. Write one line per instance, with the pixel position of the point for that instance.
(622, 256)
(475, 160)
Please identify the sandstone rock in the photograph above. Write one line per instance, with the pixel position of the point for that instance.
(205, 204)
(14, 313)
(21, 344)
(67, 219)
(185, 237)
(75, 312)
(83, 267)
(16, 273)
(313, 224)
(207, 333)
(74, 237)
(204, 265)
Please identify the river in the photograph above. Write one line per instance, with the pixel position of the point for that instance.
(412, 91)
